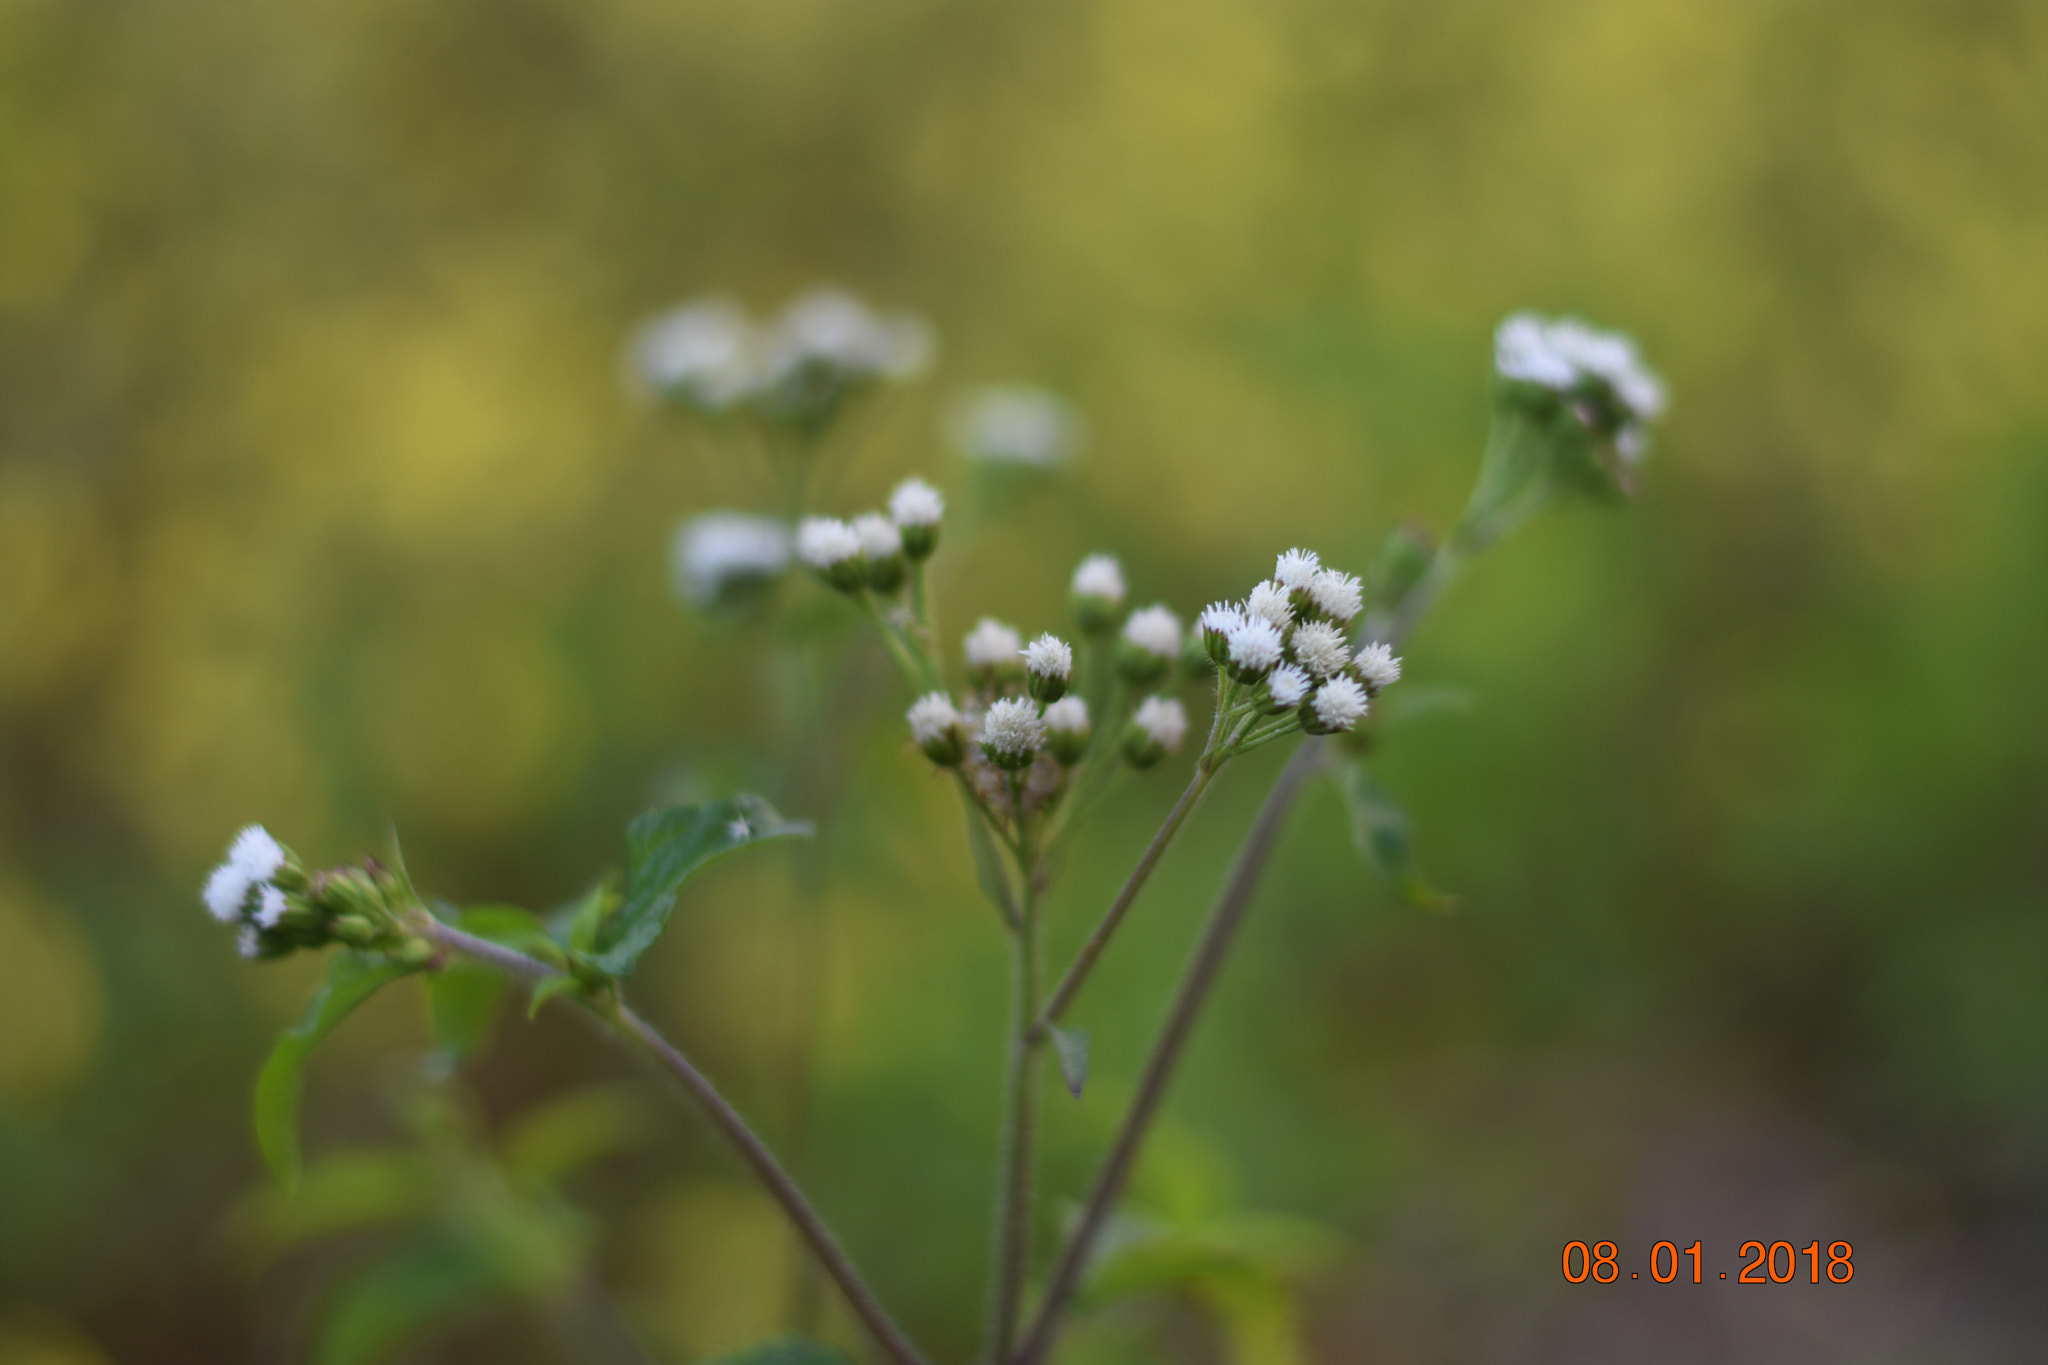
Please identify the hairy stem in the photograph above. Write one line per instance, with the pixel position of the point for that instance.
(727, 1119)
(1187, 1005)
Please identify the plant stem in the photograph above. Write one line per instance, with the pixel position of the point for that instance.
(1208, 957)
(1020, 1134)
(1084, 961)
(728, 1120)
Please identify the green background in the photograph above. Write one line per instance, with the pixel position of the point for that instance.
(322, 504)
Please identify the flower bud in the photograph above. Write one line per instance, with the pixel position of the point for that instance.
(1155, 730)
(831, 549)
(1284, 690)
(994, 653)
(1377, 667)
(415, 952)
(1336, 597)
(938, 729)
(1097, 594)
(1149, 646)
(1012, 733)
(1218, 620)
(1252, 650)
(1320, 648)
(881, 551)
(916, 507)
(355, 931)
(1269, 602)
(1337, 705)
(1067, 730)
(1048, 668)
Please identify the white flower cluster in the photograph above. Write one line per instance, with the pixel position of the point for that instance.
(720, 557)
(1007, 425)
(1582, 363)
(1288, 638)
(869, 552)
(825, 345)
(242, 890)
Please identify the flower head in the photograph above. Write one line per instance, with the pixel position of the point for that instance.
(1268, 602)
(245, 890)
(1156, 729)
(1254, 648)
(992, 649)
(1582, 362)
(1337, 705)
(1377, 667)
(1320, 648)
(1067, 729)
(881, 548)
(1017, 426)
(1048, 667)
(1217, 622)
(721, 556)
(826, 346)
(937, 728)
(1012, 732)
(916, 507)
(1150, 645)
(702, 354)
(832, 549)
(1294, 569)
(1338, 596)
(1287, 686)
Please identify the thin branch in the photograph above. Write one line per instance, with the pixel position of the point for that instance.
(1020, 1136)
(728, 1120)
(1194, 990)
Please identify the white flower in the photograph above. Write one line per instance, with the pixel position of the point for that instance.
(702, 352)
(1295, 568)
(932, 717)
(1013, 728)
(1338, 596)
(1254, 648)
(270, 907)
(1379, 666)
(1067, 716)
(1156, 630)
(1100, 576)
(991, 644)
(823, 542)
(1049, 657)
(879, 538)
(256, 853)
(1221, 618)
(247, 943)
(1268, 602)
(1164, 721)
(1563, 354)
(1287, 685)
(916, 503)
(1321, 648)
(1339, 704)
(721, 551)
(226, 888)
(830, 328)
(1022, 426)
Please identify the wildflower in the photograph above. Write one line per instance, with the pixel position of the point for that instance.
(1268, 602)
(1294, 569)
(253, 888)
(916, 508)
(1337, 705)
(1336, 596)
(1048, 667)
(1012, 733)
(937, 728)
(1150, 644)
(1320, 648)
(1067, 729)
(992, 649)
(701, 354)
(1156, 729)
(881, 550)
(1254, 648)
(1599, 373)
(1024, 427)
(1286, 688)
(1097, 593)
(722, 557)
(832, 549)
(828, 345)
(1219, 619)
(1377, 667)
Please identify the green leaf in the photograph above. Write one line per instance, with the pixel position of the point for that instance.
(575, 925)
(547, 988)
(664, 848)
(988, 865)
(352, 978)
(783, 1351)
(1072, 1046)
(464, 999)
(388, 1304)
(1379, 829)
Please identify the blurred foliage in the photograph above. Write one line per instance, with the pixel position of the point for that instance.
(320, 504)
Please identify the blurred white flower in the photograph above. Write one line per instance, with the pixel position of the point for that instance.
(1067, 716)
(991, 645)
(932, 717)
(830, 329)
(1164, 721)
(1156, 630)
(723, 552)
(1021, 426)
(826, 542)
(878, 536)
(702, 353)
(916, 503)
(1100, 576)
(1569, 356)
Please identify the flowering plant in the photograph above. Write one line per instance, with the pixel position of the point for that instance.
(1032, 734)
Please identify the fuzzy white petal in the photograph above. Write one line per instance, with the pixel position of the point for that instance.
(1294, 569)
(1013, 726)
(991, 644)
(1068, 716)
(879, 538)
(1156, 630)
(1338, 596)
(822, 542)
(1288, 684)
(1378, 665)
(270, 907)
(1268, 602)
(226, 888)
(932, 716)
(1164, 720)
(1100, 576)
(256, 853)
(1320, 648)
(916, 503)
(722, 550)
(1340, 703)
(1255, 646)
(1049, 657)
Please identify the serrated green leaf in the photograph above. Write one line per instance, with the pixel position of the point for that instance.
(547, 988)
(783, 1351)
(1379, 830)
(1071, 1044)
(989, 873)
(464, 1000)
(352, 978)
(664, 848)
(391, 1302)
